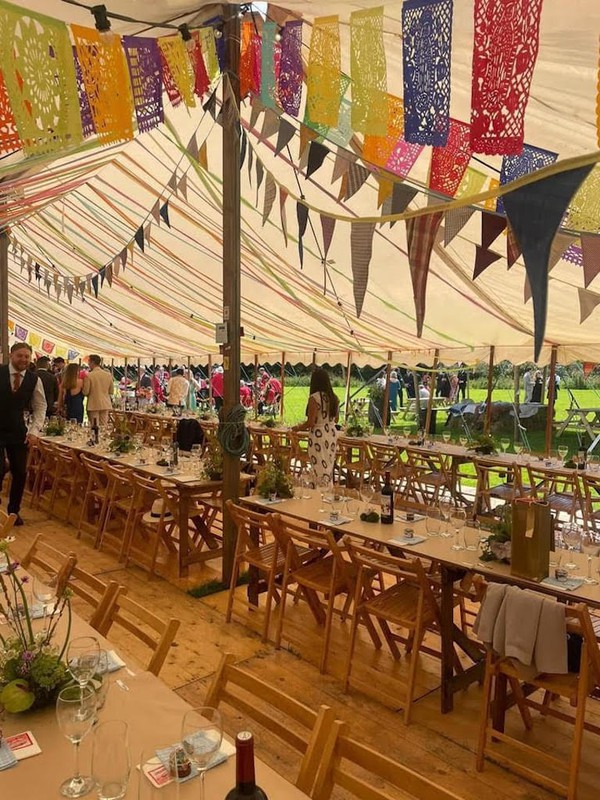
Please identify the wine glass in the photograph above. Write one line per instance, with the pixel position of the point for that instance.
(433, 522)
(446, 436)
(458, 517)
(324, 484)
(201, 735)
(463, 440)
(518, 448)
(308, 479)
(504, 444)
(571, 535)
(111, 763)
(590, 546)
(75, 714)
(44, 592)
(445, 505)
(406, 431)
(563, 452)
(83, 656)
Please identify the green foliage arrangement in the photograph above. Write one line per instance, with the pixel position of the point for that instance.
(497, 546)
(212, 462)
(273, 479)
(122, 438)
(55, 427)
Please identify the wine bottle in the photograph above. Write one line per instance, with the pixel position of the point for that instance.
(244, 770)
(581, 457)
(387, 501)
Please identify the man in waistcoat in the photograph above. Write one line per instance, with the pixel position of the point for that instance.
(21, 392)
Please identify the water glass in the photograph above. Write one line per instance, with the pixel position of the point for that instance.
(571, 534)
(111, 763)
(44, 592)
(458, 517)
(472, 535)
(504, 444)
(433, 522)
(590, 546)
(445, 506)
(446, 436)
(154, 780)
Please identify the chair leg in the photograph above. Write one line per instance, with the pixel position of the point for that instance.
(520, 700)
(281, 612)
(271, 594)
(352, 645)
(485, 712)
(579, 726)
(232, 584)
(412, 673)
(327, 637)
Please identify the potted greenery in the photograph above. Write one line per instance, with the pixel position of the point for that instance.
(274, 480)
(122, 438)
(355, 425)
(55, 427)
(497, 545)
(376, 397)
(484, 444)
(213, 460)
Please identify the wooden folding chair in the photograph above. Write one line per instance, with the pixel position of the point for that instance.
(559, 488)
(408, 603)
(299, 455)
(46, 473)
(119, 496)
(69, 480)
(428, 475)
(93, 507)
(573, 686)
(353, 464)
(145, 530)
(152, 631)
(256, 546)
(591, 501)
(386, 458)
(368, 774)
(7, 522)
(325, 573)
(496, 481)
(296, 725)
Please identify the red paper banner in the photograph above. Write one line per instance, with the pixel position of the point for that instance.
(505, 49)
(47, 346)
(588, 368)
(449, 163)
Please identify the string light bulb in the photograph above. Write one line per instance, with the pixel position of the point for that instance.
(278, 35)
(187, 37)
(102, 22)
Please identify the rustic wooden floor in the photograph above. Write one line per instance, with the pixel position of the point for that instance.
(439, 746)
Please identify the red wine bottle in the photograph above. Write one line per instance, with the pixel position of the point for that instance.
(387, 501)
(244, 770)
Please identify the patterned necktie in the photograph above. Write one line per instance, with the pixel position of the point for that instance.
(16, 381)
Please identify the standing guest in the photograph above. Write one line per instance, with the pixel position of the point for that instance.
(538, 385)
(263, 379)
(20, 390)
(454, 387)
(159, 383)
(409, 382)
(400, 388)
(217, 381)
(98, 387)
(394, 386)
(321, 415)
(58, 367)
(423, 392)
(70, 399)
(49, 382)
(443, 387)
(556, 386)
(463, 379)
(245, 395)
(178, 389)
(528, 381)
(271, 392)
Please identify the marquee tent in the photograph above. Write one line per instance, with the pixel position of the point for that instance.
(82, 212)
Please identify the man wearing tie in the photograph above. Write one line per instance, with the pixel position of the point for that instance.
(21, 391)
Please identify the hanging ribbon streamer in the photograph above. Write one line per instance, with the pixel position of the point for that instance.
(143, 60)
(505, 49)
(368, 72)
(584, 211)
(449, 163)
(106, 81)
(289, 83)
(271, 50)
(378, 149)
(529, 160)
(180, 67)
(36, 60)
(427, 40)
(323, 91)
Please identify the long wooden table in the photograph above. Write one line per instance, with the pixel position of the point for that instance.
(154, 715)
(454, 565)
(580, 417)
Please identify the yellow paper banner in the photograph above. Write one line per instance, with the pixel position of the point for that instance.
(368, 70)
(323, 90)
(176, 56)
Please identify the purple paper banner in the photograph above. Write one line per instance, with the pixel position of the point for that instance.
(427, 41)
(574, 255)
(20, 333)
(289, 82)
(529, 160)
(143, 60)
(87, 120)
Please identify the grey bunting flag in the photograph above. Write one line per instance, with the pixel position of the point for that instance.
(327, 226)
(535, 212)
(357, 175)
(317, 153)
(285, 135)
(270, 192)
(302, 216)
(361, 249)
(454, 221)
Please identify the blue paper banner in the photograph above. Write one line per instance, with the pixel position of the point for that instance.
(529, 160)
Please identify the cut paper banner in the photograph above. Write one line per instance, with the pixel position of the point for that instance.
(454, 221)
(289, 82)
(323, 92)
(9, 136)
(269, 63)
(143, 60)
(180, 67)
(529, 160)
(472, 183)
(36, 60)
(584, 211)
(368, 71)
(590, 247)
(505, 49)
(420, 237)
(403, 158)
(574, 254)
(535, 212)
(588, 301)
(449, 163)
(426, 48)
(378, 149)
(361, 248)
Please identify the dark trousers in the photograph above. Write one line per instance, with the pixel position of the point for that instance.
(462, 391)
(17, 459)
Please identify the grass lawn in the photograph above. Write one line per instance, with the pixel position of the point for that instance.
(296, 398)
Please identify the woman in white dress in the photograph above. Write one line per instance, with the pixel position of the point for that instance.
(321, 416)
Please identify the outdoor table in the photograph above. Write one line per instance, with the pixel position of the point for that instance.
(580, 417)
(154, 715)
(454, 565)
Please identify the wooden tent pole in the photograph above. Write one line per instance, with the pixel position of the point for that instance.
(490, 387)
(139, 370)
(4, 296)
(112, 369)
(415, 377)
(191, 385)
(282, 381)
(347, 394)
(210, 395)
(255, 392)
(551, 398)
(386, 391)
(231, 267)
(432, 383)
(517, 398)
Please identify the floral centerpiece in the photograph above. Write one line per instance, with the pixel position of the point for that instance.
(273, 479)
(212, 468)
(55, 427)
(484, 445)
(122, 438)
(355, 425)
(497, 546)
(32, 670)
(267, 422)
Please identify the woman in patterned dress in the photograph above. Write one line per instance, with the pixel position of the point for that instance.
(321, 416)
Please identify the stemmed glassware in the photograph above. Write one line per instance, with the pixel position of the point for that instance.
(44, 591)
(463, 441)
(111, 763)
(446, 504)
(571, 534)
(446, 436)
(504, 444)
(590, 546)
(83, 657)
(76, 713)
(563, 452)
(406, 431)
(201, 736)
(308, 479)
(458, 517)
(518, 448)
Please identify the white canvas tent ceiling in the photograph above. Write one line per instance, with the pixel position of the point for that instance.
(88, 207)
